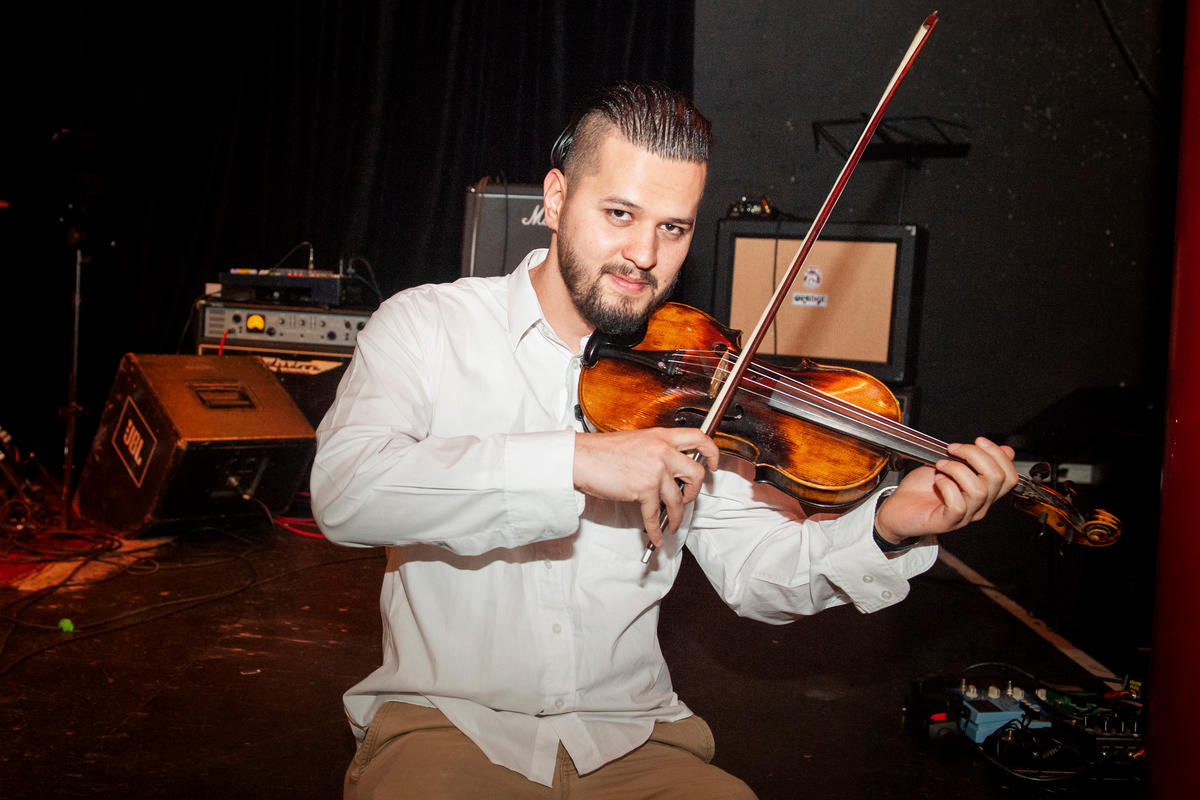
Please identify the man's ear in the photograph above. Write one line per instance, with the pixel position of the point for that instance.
(554, 192)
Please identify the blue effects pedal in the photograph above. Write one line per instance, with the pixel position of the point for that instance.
(983, 716)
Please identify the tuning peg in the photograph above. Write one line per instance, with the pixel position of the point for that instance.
(1043, 525)
(1040, 472)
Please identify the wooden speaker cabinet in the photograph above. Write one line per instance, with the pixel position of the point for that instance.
(184, 437)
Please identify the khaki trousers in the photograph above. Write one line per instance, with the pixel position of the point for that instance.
(412, 751)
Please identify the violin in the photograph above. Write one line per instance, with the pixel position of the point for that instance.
(825, 435)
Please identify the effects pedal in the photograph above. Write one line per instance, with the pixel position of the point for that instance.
(1050, 733)
(984, 714)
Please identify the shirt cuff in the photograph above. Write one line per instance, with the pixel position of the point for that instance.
(539, 492)
(871, 578)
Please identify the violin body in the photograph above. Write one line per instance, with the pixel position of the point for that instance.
(667, 380)
(823, 434)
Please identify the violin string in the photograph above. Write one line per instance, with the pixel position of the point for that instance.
(864, 418)
(708, 361)
(891, 426)
(799, 392)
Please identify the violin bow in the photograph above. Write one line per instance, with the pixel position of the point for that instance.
(721, 403)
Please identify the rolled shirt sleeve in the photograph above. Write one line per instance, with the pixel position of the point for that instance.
(771, 563)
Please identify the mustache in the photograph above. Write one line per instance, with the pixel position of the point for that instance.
(630, 273)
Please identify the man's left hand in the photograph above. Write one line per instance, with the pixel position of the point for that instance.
(948, 495)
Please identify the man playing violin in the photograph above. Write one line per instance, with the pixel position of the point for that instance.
(521, 656)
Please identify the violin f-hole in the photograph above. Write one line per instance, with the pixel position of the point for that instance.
(683, 416)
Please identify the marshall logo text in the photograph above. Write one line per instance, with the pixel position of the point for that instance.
(536, 217)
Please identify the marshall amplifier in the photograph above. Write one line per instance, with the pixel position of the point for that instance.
(186, 437)
(501, 224)
(307, 348)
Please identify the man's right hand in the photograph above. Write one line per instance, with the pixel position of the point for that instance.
(651, 467)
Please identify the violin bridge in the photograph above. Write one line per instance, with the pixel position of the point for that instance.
(720, 373)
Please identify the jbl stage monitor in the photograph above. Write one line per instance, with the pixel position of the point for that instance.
(185, 437)
(501, 224)
(854, 303)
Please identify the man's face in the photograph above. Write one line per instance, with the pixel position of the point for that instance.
(623, 232)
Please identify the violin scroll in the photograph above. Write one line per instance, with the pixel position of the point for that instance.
(1101, 529)
(1057, 512)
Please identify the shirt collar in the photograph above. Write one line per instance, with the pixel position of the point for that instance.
(524, 310)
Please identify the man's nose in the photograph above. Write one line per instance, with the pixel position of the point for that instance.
(641, 248)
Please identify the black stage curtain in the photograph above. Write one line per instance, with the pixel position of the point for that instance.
(176, 142)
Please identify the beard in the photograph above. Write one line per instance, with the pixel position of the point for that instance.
(615, 316)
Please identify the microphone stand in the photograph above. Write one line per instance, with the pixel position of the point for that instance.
(72, 409)
(78, 155)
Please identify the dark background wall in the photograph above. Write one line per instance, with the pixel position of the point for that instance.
(224, 135)
(1045, 288)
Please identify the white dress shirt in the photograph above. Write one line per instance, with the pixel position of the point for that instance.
(511, 602)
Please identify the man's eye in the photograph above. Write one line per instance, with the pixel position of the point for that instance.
(618, 213)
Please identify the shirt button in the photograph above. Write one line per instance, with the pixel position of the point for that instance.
(558, 704)
(885, 594)
(557, 628)
(868, 578)
(549, 564)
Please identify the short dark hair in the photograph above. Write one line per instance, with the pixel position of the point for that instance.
(649, 115)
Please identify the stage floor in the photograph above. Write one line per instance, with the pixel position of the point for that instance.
(211, 664)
